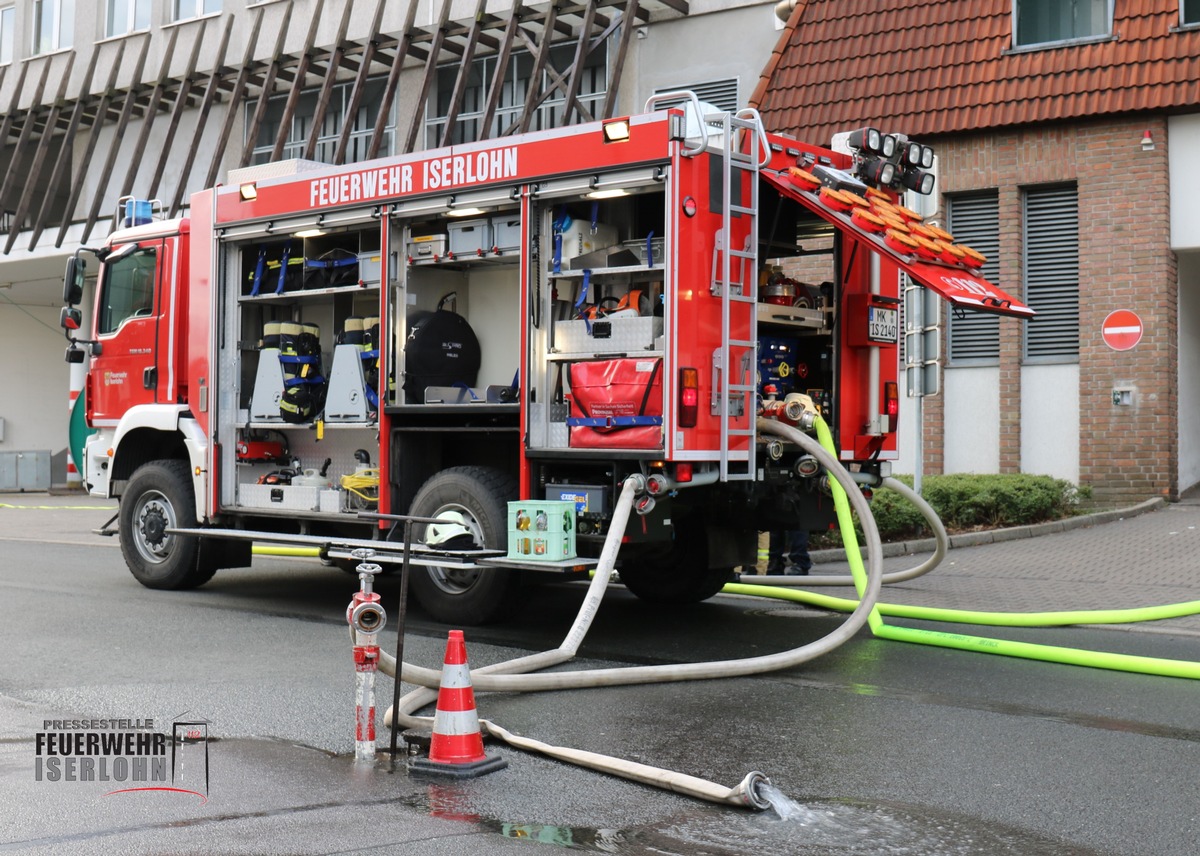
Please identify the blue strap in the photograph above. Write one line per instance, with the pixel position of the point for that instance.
(595, 213)
(650, 250)
(283, 266)
(613, 421)
(471, 392)
(583, 293)
(291, 359)
(370, 355)
(258, 270)
(330, 263)
(558, 252)
(297, 381)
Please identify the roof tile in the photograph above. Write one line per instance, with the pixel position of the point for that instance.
(939, 66)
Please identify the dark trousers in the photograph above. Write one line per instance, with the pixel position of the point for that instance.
(790, 545)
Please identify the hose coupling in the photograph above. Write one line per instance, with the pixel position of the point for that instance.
(774, 449)
(748, 791)
(807, 466)
(643, 505)
(368, 617)
(639, 482)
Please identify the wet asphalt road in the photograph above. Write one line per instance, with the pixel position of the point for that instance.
(886, 748)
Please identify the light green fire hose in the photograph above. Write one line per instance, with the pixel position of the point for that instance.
(1027, 650)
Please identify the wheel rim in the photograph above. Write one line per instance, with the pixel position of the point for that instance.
(152, 516)
(453, 580)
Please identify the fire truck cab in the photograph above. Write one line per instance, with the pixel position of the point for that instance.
(318, 348)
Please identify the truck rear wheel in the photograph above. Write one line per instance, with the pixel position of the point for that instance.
(682, 574)
(160, 497)
(458, 596)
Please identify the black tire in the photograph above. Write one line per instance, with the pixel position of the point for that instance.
(467, 597)
(160, 497)
(680, 575)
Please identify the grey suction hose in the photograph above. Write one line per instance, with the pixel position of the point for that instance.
(501, 676)
(499, 682)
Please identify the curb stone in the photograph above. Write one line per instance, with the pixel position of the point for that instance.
(1013, 533)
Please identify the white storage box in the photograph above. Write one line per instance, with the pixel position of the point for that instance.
(427, 248)
(470, 237)
(608, 335)
(506, 233)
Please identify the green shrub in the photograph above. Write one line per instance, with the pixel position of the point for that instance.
(966, 502)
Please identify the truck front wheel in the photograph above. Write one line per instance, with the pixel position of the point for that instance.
(160, 497)
(457, 595)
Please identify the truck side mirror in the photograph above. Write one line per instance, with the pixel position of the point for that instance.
(73, 281)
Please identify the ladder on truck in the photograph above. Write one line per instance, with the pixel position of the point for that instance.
(743, 149)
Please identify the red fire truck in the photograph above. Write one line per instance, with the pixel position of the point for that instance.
(531, 318)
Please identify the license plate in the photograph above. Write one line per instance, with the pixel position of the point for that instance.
(883, 324)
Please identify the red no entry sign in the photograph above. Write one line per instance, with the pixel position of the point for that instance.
(1122, 330)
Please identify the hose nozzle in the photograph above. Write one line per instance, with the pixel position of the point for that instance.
(748, 791)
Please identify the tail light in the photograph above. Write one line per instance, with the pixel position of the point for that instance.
(689, 397)
(891, 404)
(683, 473)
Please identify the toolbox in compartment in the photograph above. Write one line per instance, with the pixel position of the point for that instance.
(283, 496)
(426, 248)
(541, 530)
(616, 404)
(608, 335)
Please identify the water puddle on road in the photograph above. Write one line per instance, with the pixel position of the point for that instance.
(815, 827)
(832, 827)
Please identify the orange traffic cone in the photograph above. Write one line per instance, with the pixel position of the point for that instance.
(457, 745)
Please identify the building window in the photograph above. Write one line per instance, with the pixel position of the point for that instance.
(126, 16)
(331, 125)
(1039, 22)
(7, 16)
(974, 337)
(184, 9)
(53, 25)
(468, 124)
(1189, 12)
(1051, 241)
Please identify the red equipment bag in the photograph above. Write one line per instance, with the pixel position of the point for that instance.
(616, 404)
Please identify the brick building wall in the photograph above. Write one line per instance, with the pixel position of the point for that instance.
(1125, 262)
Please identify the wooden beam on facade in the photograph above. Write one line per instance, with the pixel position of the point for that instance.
(464, 73)
(114, 147)
(62, 162)
(235, 100)
(39, 159)
(152, 109)
(360, 85)
(335, 58)
(614, 81)
(210, 95)
(543, 54)
(26, 129)
(93, 136)
(6, 125)
(435, 49)
(502, 60)
(267, 87)
(181, 101)
(582, 49)
(403, 46)
(289, 109)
